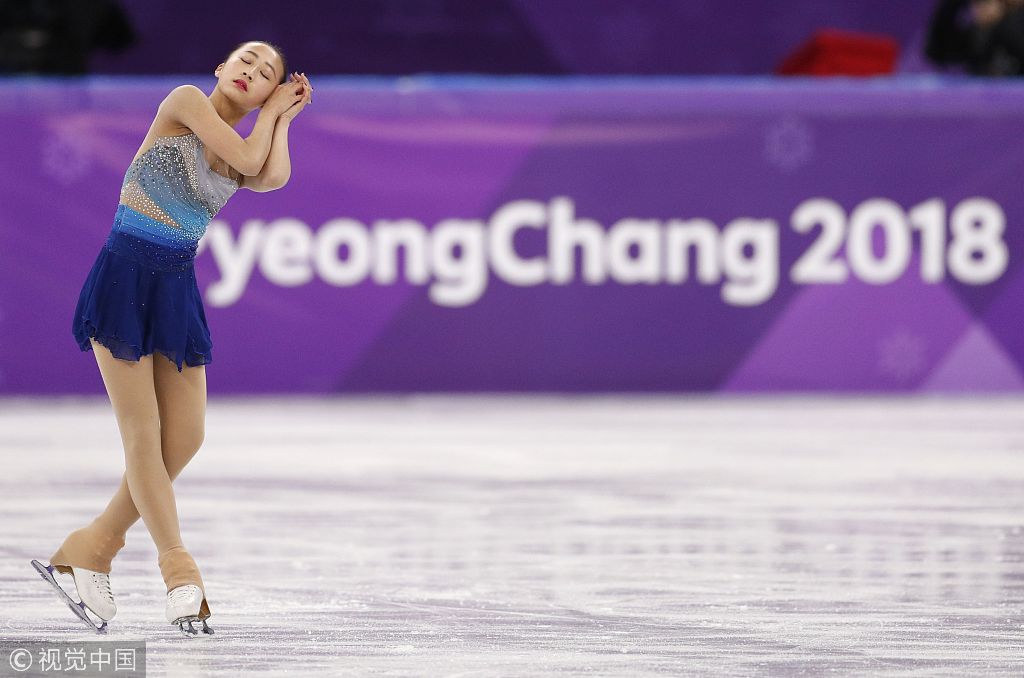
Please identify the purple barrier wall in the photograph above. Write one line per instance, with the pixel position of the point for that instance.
(559, 235)
(509, 36)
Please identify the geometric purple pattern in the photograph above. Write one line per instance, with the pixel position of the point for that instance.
(444, 157)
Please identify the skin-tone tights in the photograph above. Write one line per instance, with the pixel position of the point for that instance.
(161, 416)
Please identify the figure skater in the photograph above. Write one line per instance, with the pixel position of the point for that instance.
(141, 313)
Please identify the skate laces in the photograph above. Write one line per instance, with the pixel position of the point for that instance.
(103, 582)
(181, 594)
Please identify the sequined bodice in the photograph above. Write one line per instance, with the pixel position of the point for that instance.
(172, 184)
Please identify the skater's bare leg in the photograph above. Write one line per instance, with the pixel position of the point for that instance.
(181, 399)
(142, 394)
(132, 389)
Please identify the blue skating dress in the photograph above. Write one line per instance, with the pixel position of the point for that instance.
(141, 295)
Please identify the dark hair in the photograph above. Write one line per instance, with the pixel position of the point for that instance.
(280, 53)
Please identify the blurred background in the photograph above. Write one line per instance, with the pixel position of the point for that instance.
(557, 196)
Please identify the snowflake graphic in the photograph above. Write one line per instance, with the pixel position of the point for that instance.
(902, 355)
(65, 157)
(789, 143)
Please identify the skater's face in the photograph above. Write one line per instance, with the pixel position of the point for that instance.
(256, 65)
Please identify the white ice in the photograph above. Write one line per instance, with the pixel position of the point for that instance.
(524, 536)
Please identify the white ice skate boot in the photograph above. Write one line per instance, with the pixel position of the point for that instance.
(94, 590)
(185, 604)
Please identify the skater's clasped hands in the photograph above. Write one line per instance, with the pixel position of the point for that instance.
(290, 97)
(305, 91)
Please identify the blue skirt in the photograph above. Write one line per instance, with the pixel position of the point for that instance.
(141, 297)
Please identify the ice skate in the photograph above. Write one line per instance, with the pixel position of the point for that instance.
(185, 605)
(86, 555)
(93, 589)
(186, 597)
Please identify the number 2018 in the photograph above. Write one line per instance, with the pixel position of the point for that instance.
(976, 253)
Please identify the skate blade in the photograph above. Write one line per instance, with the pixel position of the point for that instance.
(79, 608)
(191, 631)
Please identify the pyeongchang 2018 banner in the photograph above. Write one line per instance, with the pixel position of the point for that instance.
(474, 234)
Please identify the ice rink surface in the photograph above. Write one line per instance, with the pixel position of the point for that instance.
(488, 535)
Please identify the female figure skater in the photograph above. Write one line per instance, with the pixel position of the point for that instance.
(141, 313)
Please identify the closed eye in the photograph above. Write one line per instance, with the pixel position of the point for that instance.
(261, 72)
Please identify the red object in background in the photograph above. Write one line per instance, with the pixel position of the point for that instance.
(835, 52)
